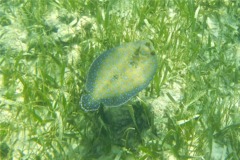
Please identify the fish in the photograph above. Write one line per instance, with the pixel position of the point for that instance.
(119, 74)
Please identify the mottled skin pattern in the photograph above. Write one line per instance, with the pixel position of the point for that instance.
(119, 74)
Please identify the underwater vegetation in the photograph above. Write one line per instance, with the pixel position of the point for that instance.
(119, 74)
(189, 111)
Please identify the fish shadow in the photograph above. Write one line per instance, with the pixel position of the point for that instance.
(121, 127)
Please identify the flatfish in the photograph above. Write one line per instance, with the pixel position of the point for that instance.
(118, 74)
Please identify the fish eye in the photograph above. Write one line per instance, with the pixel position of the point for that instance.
(137, 51)
(152, 53)
(115, 76)
(147, 44)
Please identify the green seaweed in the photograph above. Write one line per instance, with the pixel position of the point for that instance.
(190, 109)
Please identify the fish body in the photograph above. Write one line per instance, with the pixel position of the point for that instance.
(119, 74)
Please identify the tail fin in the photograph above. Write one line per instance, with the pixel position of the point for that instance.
(87, 103)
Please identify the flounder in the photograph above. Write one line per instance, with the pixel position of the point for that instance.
(119, 74)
